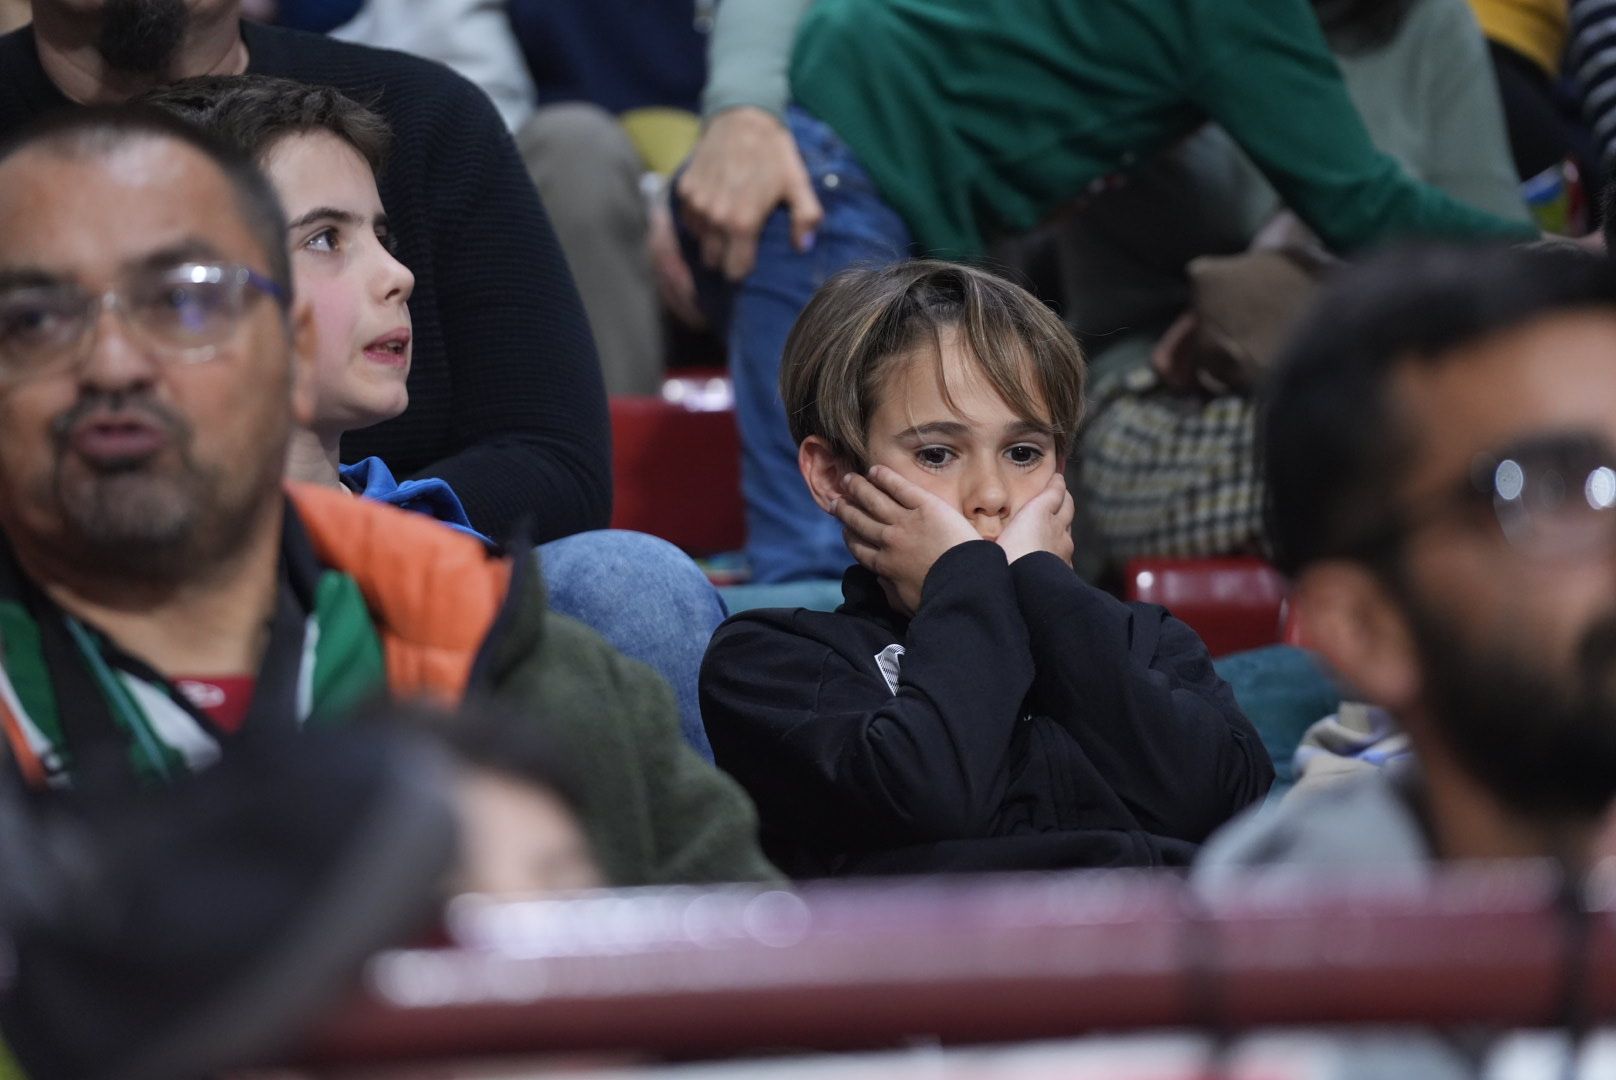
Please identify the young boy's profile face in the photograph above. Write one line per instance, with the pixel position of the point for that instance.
(979, 456)
(518, 838)
(343, 267)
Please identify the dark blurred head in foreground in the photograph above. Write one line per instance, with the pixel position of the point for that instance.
(1440, 441)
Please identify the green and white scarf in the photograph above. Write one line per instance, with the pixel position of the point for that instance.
(341, 664)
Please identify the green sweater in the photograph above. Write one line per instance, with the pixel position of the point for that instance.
(655, 812)
(981, 117)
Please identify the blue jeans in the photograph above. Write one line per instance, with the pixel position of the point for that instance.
(648, 599)
(788, 538)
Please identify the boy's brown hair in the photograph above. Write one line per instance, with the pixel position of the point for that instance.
(863, 322)
(250, 113)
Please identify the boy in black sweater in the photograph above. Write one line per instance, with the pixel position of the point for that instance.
(973, 704)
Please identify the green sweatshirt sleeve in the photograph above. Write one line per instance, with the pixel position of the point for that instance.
(1267, 76)
(749, 57)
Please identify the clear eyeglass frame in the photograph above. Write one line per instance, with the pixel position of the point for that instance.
(182, 313)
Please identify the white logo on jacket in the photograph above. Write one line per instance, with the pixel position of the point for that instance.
(887, 661)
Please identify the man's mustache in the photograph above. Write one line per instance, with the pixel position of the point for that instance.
(118, 406)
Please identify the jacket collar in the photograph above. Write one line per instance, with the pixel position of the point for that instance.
(863, 596)
(436, 595)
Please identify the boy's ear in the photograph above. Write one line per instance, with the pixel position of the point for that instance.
(822, 470)
(1348, 616)
(305, 346)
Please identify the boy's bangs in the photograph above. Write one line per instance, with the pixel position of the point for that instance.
(996, 350)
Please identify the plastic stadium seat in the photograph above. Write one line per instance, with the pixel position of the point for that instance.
(676, 465)
(1233, 603)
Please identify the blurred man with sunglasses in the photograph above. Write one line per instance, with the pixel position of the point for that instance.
(1440, 444)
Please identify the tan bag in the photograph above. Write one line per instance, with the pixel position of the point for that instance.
(1245, 306)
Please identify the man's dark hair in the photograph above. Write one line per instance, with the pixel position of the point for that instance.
(98, 131)
(250, 113)
(1330, 441)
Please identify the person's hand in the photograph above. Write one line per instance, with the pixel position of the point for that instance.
(674, 281)
(1593, 242)
(1174, 357)
(1044, 523)
(897, 529)
(744, 165)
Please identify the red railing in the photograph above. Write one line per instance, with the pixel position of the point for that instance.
(691, 972)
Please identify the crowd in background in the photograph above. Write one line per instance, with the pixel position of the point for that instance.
(310, 312)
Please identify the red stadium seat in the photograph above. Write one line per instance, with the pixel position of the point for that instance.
(676, 465)
(1233, 603)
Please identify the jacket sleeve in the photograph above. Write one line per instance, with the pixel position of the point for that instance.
(1267, 76)
(530, 431)
(749, 57)
(1136, 688)
(655, 812)
(834, 758)
(704, 827)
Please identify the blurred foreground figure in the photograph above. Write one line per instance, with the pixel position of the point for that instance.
(164, 602)
(1441, 451)
(161, 934)
(243, 900)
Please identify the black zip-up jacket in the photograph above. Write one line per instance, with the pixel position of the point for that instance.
(1031, 721)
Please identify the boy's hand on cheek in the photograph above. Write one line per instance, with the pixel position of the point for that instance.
(1044, 523)
(896, 529)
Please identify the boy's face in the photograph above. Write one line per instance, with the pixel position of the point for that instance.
(979, 457)
(518, 838)
(343, 269)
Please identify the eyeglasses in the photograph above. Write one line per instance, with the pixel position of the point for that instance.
(1551, 495)
(181, 313)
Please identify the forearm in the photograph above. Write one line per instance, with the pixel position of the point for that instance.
(529, 426)
(749, 57)
(1137, 689)
(544, 484)
(1269, 79)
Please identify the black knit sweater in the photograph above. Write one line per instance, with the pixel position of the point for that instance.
(506, 398)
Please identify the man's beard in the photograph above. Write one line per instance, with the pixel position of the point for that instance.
(142, 37)
(140, 519)
(1543, 747)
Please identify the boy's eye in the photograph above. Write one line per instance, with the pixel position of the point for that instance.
(934, 457)
(324, 240)
(1025, 455)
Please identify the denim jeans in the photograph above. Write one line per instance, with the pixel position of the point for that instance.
(646, 598)
(788, 538)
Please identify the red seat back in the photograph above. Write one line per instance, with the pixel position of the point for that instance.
(676, 467)
(1234, 603)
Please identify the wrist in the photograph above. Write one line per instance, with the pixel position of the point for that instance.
(744, 113)
(966, 560)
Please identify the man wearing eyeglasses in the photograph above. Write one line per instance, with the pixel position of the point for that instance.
(507, 403)
(1440, 444)
(164, 603)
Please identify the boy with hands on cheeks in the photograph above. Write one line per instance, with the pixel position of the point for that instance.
(973, 704)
